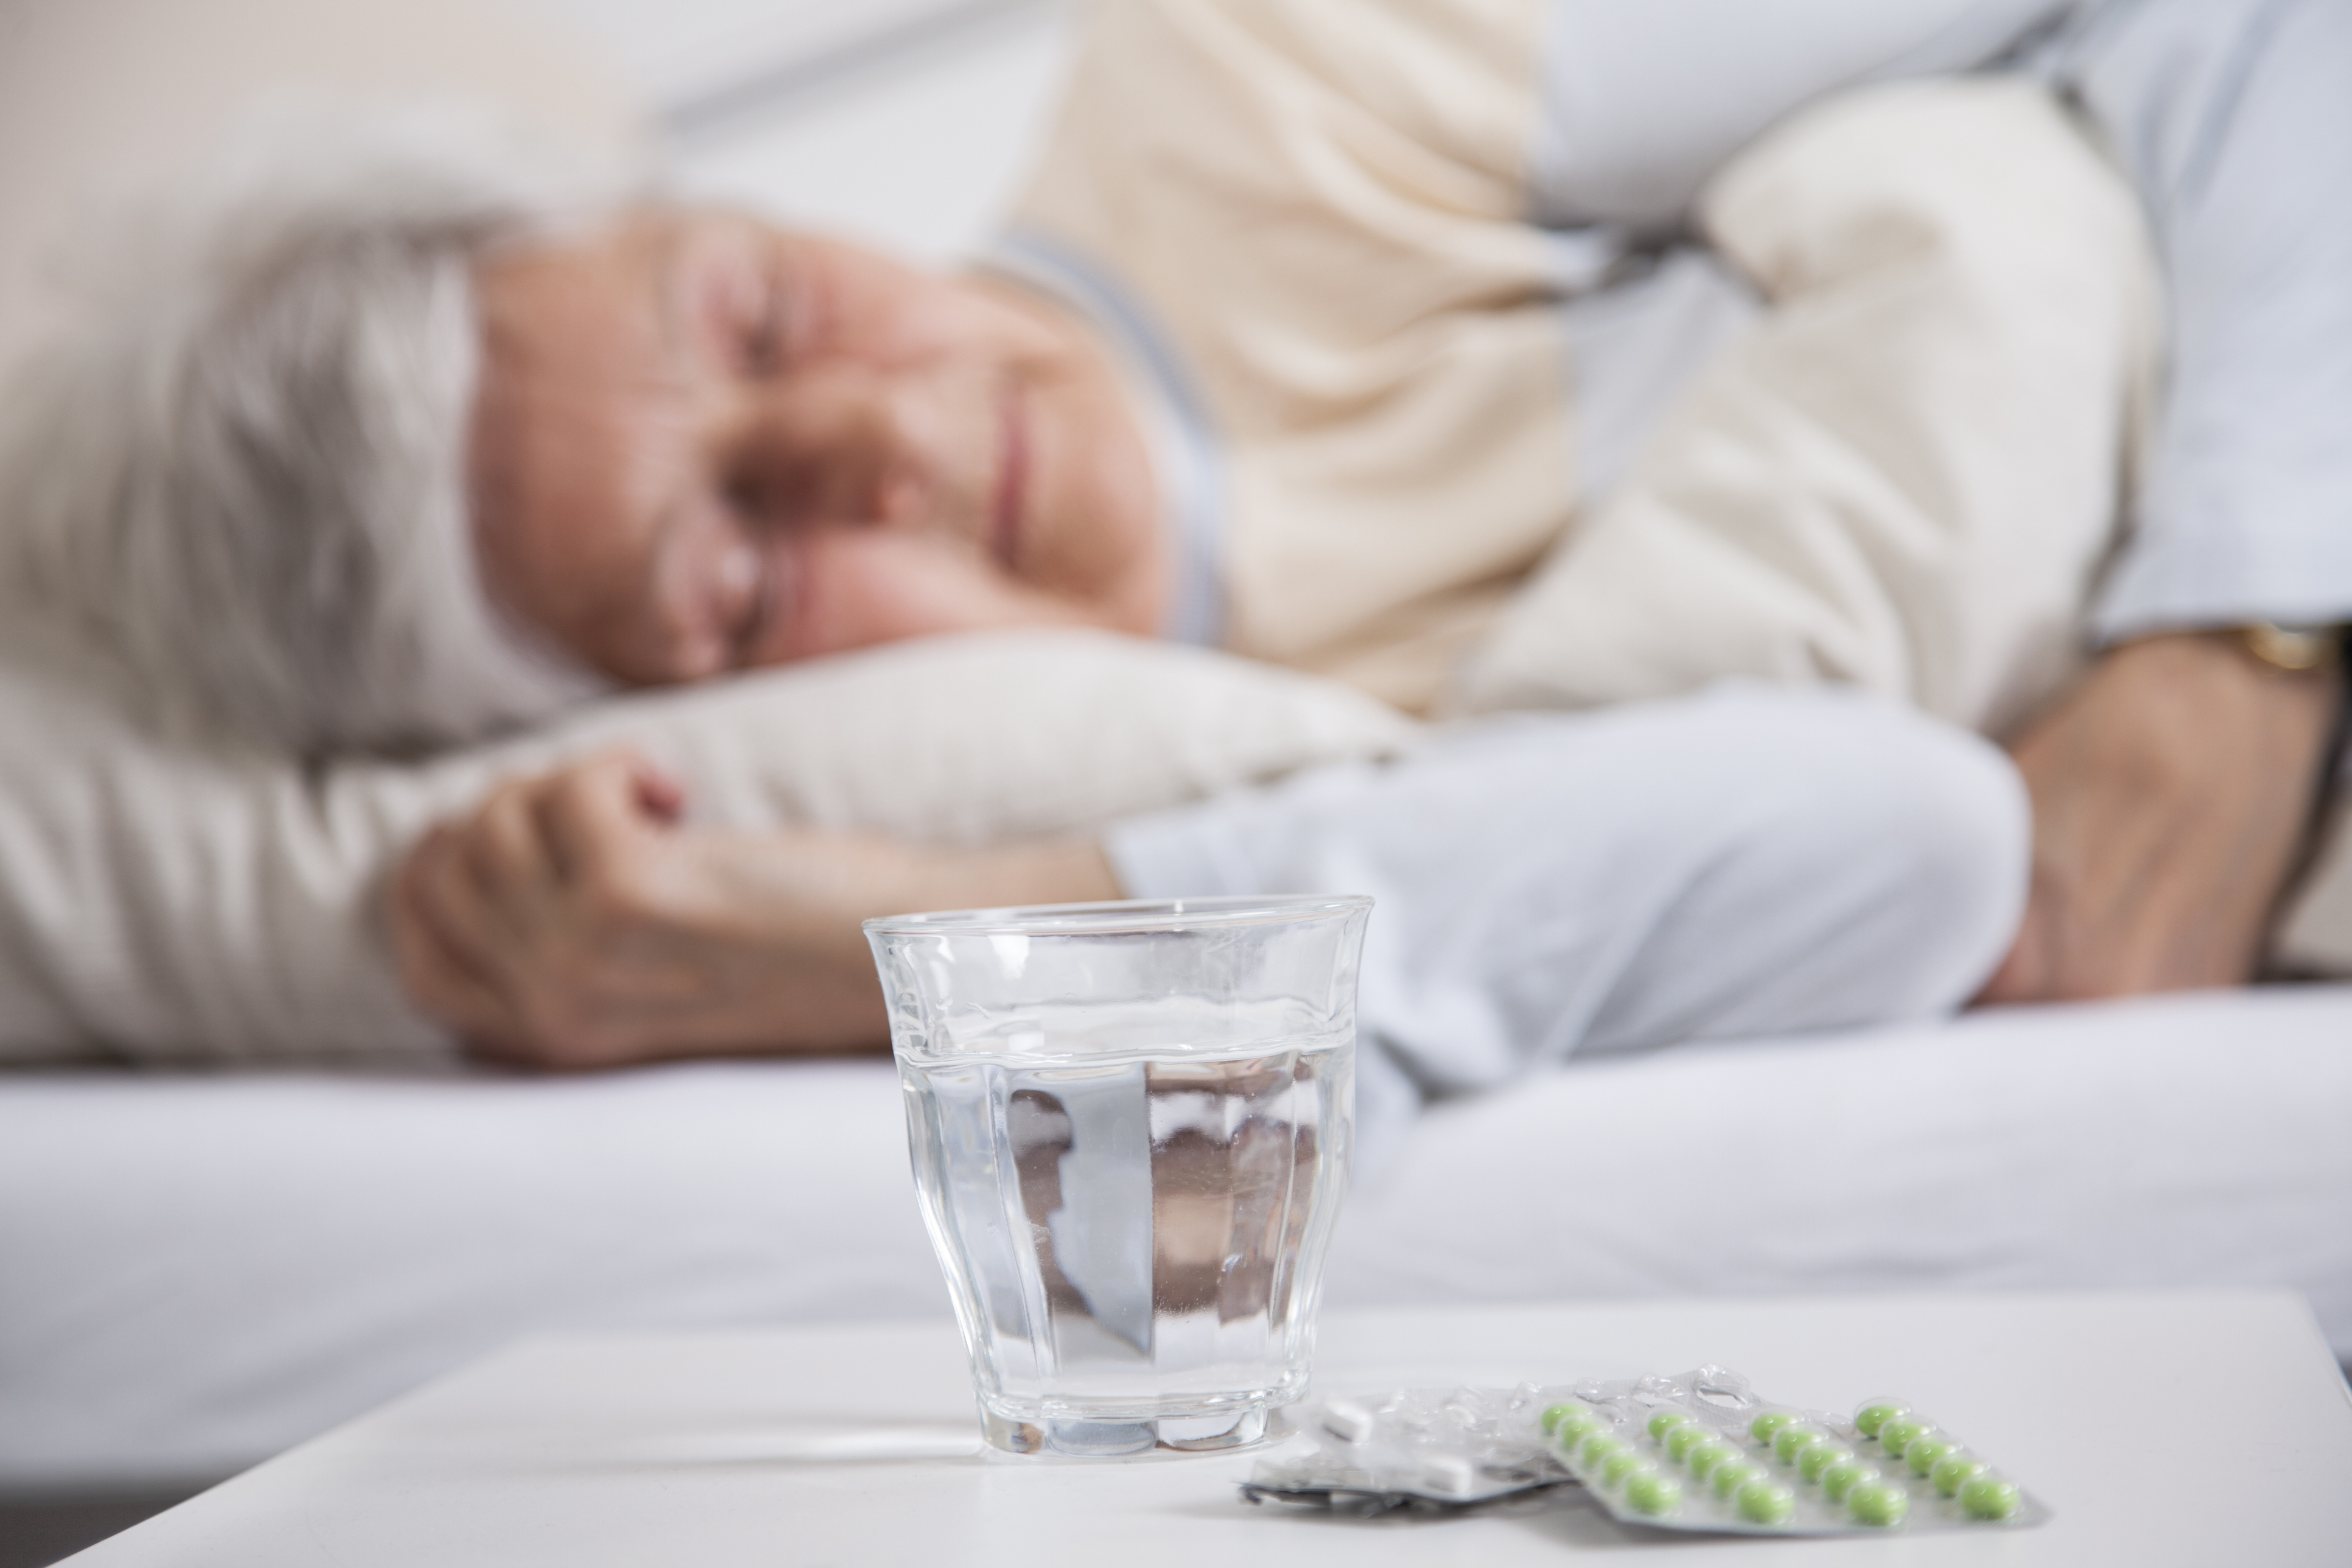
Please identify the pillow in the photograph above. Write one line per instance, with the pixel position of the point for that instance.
(164, 897)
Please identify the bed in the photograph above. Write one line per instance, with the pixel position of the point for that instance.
(201, 1269)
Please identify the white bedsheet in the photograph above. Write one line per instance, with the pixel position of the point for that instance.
(196, 1271)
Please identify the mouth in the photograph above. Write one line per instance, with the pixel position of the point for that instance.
(1011, 478)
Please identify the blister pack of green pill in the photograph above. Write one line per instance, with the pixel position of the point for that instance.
(1699, 1450)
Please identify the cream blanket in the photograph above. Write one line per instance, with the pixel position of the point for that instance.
(1903, 477)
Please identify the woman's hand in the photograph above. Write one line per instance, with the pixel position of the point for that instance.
(2172, 789)
(574, 922)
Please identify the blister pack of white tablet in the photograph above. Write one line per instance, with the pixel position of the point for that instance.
(1698, 1451)
(1415, 1448)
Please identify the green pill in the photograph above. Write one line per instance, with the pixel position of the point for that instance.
(1988, 1496)
(1728, 1478)
(1766, 1501)
(1703, 1457)
(1791, 1441)
(1621, 1464)
(1954, 1469)
(1598, 1445)
(1876, 1414)
(1820, 1457)
(1550, 1418)
(1878, 1502)
(1843, 1476)
(1898, 1432)
(1684, 1438)
(1576, 1426)
(1771, 1421)
(1654, 1492)
(1924, 1451)
(1665, 1420)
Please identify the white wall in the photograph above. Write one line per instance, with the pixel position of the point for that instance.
(905, 122)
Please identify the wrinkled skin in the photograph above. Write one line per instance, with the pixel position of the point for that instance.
(572, 922)
(702, 444)
(2172, 789)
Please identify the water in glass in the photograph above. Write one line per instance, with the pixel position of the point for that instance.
(1134, 1223)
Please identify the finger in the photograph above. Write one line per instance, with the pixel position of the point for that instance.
(509, 859)
(660, 794)
(492, 1020)
(444, 990)
(591, 817)
(435, 975)
(441, 887)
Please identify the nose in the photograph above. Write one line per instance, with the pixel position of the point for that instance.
(814, 445)
(846, 443)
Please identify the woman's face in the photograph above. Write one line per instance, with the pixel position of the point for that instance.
(701, 444)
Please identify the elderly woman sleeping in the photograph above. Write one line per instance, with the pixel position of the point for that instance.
(1380, 355)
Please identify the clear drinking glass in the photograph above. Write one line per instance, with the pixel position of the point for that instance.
(1130, 1125)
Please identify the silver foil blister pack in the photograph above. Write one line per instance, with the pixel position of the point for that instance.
(1698, 1450)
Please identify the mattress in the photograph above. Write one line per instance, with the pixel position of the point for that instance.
(196, 1271)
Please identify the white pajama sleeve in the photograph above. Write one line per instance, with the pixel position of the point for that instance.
(1751, 861)
(2234, 119)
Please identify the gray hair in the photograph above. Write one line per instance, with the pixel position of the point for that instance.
(245, 467)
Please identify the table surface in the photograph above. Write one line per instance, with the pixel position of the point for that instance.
(2161, 1428)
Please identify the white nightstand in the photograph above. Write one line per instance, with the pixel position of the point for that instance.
(2162, 1429)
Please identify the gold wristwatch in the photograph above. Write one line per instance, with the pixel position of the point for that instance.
(2293, 649)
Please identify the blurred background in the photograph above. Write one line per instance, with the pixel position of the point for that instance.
(904, 122)
(901, 121)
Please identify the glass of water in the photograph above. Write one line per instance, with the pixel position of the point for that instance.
(1130, 1125)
